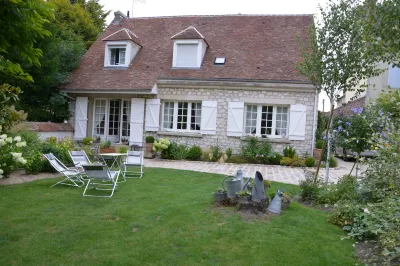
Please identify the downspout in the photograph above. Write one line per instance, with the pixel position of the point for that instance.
(314, 121)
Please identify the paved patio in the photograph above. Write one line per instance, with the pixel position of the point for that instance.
(284, 174)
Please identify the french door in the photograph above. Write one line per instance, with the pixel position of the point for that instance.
(111, 119)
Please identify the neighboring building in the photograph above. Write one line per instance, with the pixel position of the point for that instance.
(204, 80)
(389, 79)
(49, 129)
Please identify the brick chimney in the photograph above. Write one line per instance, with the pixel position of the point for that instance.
(118, 17)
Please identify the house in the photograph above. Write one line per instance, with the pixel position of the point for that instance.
(204, 80)
(388, 79)
(46, 130)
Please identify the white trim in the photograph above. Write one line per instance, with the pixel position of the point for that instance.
(188, 28)
(175, 117)
(127, 31)
(107, 53)
(175, 52)
(105, 118)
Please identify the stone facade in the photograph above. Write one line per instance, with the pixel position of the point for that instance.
(223, 97)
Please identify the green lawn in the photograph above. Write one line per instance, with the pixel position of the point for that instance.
(166, 218)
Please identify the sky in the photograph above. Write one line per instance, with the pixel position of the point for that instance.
(155, 8)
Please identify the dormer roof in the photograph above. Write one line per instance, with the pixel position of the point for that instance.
(123, 34)
(188, 33)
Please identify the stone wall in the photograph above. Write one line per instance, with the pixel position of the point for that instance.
(223, 97)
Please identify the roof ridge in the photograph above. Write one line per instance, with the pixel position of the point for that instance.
(226, 15)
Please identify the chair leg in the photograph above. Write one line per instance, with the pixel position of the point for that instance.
(74, 182)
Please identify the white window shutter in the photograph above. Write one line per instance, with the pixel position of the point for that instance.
(209, 117)
(235, 119)
(81, 118)
(297, 122)
(186, 55)
(152, 114)
(136, 123)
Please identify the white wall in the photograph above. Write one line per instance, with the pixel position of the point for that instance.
(58, 134)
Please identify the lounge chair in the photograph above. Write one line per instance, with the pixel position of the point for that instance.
(79, 158)
(133, 159)
(101, 173)
(72, 176)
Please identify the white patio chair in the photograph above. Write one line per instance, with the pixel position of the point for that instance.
(102, 173)
(79, 158)
(72, 176)
(134, 159)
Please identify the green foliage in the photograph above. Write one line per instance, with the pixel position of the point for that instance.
(344, 212)
(309, 189)
(166, 153)
(87, 141)
(123, 149)
(319, 144)
(33, 143)
(333, 162)
(286, 161)
(228, 153)
(149, 139)
(216, 153)
(321, 126)
(194, 153)
(161, 145)
(295, 162)
(243, 193)
(8, 115)
(238, 159)
(309, 161)
(255, 151)
(34, 164)
(10, 154)
(275, 159)
(289, 151)
(344, 189)
(105, 144)
(180, 152)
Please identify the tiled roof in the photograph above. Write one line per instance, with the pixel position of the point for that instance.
(345, 110)
(123, 35)
(48, 127)
(255, 47)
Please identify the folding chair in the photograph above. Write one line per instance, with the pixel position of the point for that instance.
(133, 159)
(102, 173)
(79, 158)
(72, 175)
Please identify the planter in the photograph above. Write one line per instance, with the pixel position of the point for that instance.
(285, 204)
(108, 150)
(149, 147)
(317, 154)
(220, 196)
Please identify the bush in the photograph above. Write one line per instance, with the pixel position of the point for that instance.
(228, 153)
(289, 151)
(275, 159)
(255, 151)
(34, 164)
(319, 144)
(167, 153)
(194, 153)
(181, 152)
(286, 161)
(344, 212)
(123, 149)
(309, 189)
(298, 162)
(33, 143)
(237, 159)
(216, 153)
(333, 162)
(87, 141)
(149, 139)
(309, 161)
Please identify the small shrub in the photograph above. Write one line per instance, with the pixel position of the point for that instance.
(87, 141)
(194, 153)
(180, 153)
(237, 159)
(105, 144)
(344, 213)
(33, 143)
(286, 161)
(149, 139)
(289, 151)
(250, 149)
(170, 149)
(309, 161)
(123, 149)
(275, 159)
(216, 153)
(228, 153)
(333, 162)
(297, 162)
(319, 144)
(34, 164)
(309, 189)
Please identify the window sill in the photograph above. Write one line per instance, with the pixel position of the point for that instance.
(285, 141)
(180, 134)
(115, 67)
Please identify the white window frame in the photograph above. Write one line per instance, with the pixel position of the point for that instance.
(259, 116)
(175, 117)
(175, 53)
(111, 45)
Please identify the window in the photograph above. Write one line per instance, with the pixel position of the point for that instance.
(186, 55)
(181, 116)
(99, 117)
(126, 118)
(117, 56)
(261, 120)
(219, 61)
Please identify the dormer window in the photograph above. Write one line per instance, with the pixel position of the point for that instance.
(189, 48)
(117, 56)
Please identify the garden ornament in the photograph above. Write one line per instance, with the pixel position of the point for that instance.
(276, 204)
(239, 175)
(232, 184)
(258, 191)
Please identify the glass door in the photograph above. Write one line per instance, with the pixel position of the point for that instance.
(125, 121)
(99, 121)
(114, 120)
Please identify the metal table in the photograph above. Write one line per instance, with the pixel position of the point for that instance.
(116, 161)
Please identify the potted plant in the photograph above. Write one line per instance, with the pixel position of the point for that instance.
(124, 141)
(149, 143)
(96, 139)
(318, 149)
(105, 147)
(244, 196)
(220, 195)
(286, 200)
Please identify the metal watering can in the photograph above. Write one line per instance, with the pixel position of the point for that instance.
(233, 184)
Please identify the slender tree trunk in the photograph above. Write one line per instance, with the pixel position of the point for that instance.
(323, 147)
(328, 156)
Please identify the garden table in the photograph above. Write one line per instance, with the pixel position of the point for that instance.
(116, 160)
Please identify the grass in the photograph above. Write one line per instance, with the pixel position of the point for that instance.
(165, 218)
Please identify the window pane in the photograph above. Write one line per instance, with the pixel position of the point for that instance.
(281, 121)
(266, 120)
(168, 115)
(182, 115)
(99, 117)
(122, 56)
(195, 116)
(251, 119)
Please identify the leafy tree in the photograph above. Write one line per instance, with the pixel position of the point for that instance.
(98, 15)
(335, 59)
